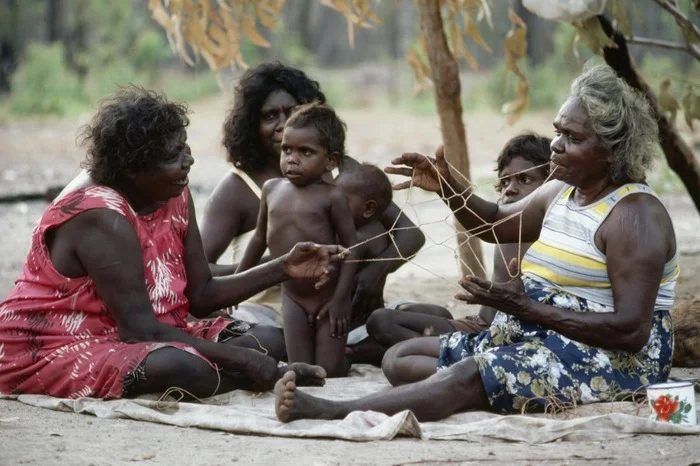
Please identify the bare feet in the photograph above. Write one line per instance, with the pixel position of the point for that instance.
(291, 404)
(306, 374)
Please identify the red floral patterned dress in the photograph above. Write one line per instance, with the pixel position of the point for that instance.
(58, 338)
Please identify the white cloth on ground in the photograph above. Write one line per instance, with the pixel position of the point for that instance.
(244, 412)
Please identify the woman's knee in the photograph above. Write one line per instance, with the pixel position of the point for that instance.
(380, 322)
(268, 340)
(411, 360)
(170, 361)
(464, 377)
(429, 309)
(172, 367)
(392, 366)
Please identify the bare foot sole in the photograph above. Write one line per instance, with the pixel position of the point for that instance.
(306, 374)
(291, 404)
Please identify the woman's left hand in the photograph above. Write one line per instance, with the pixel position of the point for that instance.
(506, 297)
(310, 260)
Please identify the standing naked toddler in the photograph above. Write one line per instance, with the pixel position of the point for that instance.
(304, 206)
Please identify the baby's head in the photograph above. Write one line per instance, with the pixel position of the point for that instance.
(368, 191)
(516, 176)
(312, 143)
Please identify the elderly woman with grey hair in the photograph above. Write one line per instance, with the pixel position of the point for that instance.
(586, 316)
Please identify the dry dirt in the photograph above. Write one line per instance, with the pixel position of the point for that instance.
(35, 154)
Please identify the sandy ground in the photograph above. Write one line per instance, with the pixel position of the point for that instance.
(35, 154)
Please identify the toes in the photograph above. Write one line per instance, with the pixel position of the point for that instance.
(319, 372)
(286, 395)
(289, 376)
(309, 375)
(311, 372)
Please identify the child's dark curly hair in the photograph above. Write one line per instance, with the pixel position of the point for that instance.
(530, 146)
(241, 135)
(130, 132)
(331, 129)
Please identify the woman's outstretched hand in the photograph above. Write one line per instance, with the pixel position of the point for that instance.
(310, 260)
(506, 297)
(430, 174)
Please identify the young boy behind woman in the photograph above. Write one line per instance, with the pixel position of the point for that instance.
(306, 206)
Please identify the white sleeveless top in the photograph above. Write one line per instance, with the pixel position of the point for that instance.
(271, 297)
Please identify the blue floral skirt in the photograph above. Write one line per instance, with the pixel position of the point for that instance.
(525, 364)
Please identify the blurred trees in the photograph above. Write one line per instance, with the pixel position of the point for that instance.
(446, 26)
(95, 41)
(98, 32)
(91, 34)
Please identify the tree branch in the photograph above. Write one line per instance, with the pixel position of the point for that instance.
(678, 154)
(664, 44)
(682, 21)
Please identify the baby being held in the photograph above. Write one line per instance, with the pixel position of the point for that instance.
(369, 193)
(305, 206)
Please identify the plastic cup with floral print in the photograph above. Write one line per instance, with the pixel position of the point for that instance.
(672, 402)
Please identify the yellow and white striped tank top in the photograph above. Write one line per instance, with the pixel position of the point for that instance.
(565, 255)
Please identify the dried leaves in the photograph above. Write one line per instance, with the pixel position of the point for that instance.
(461, 21)
(197, 28)
(214, 30)
(421, 71)
(515, 48)
(592, 33)
(358, 13)
(669, 105)
(621, 20)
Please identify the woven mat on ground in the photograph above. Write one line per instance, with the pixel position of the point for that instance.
(244, 412)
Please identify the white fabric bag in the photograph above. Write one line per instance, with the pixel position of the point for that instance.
(565, 10)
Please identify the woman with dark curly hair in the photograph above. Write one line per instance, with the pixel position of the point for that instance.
(117, 265)
(264, 99)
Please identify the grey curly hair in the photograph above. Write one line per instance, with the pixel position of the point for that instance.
(622, 119)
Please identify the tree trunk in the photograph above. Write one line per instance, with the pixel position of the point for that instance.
(9, 47)
(303, 25)
(680, 157)
(54, 21)
(76, 40)
(444, 71)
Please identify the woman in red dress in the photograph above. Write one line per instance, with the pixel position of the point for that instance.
(117, 264)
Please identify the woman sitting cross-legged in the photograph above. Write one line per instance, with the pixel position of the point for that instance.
(588, 319)
(117, 264)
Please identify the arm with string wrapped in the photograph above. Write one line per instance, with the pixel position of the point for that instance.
(635, 271)
(505, 223)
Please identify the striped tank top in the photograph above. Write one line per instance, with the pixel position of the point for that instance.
(566, 257)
